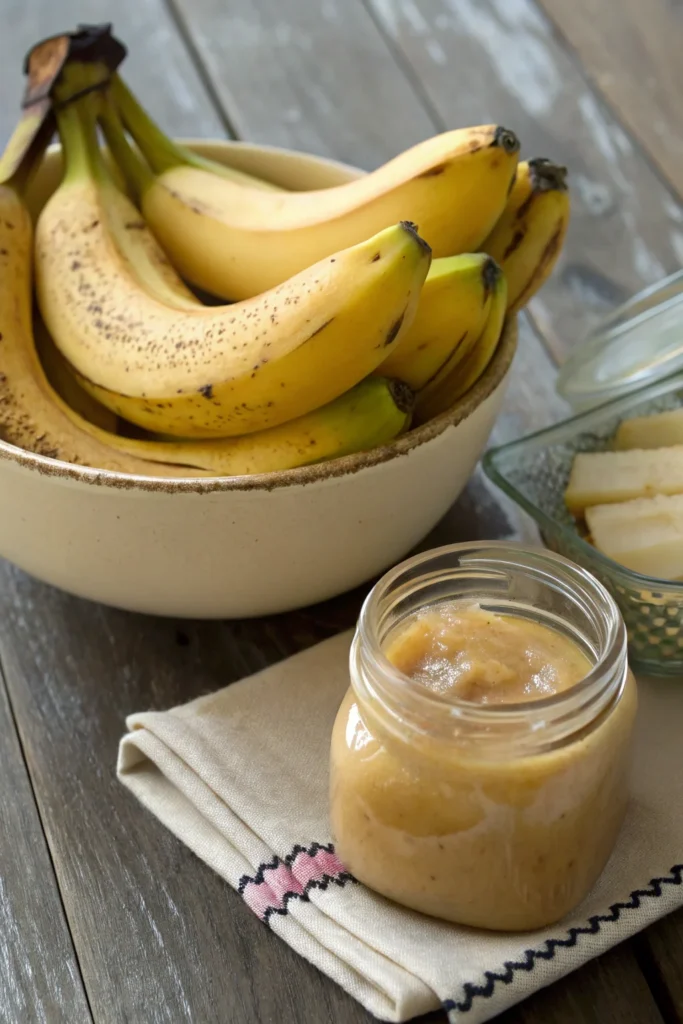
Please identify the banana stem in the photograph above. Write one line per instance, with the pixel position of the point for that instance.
(77, 159)
(76, 121)
(160, 151)
(136, 172)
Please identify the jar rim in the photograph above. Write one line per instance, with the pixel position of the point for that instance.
(391, 684)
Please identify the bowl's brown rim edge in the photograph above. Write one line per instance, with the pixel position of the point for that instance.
(348, 464)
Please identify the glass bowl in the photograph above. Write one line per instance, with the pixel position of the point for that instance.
(534, 472)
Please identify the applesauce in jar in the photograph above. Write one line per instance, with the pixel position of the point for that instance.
(479, 764)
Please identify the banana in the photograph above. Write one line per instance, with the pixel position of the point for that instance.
(236, 241)
(367, 416)
(450, 317)
(451, 310)
(528, 238)
(34, 417)
(455, 380)
(145, 259)
(211, 372)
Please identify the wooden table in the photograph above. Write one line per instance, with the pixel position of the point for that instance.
(104, 916)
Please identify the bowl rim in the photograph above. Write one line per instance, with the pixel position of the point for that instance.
(493, 376)
(570, 428)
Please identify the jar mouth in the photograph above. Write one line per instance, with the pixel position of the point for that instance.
(490, 571)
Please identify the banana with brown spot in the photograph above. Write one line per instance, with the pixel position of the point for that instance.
(237, 241)
(452, 311)
(221, 371)
(456, 379)
(34, 417)
(528, 238)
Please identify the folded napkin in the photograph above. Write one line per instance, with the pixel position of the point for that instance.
(241, 777)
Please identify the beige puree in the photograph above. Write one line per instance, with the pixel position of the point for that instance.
(484, 837)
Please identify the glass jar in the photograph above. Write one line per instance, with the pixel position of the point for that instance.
(499, 816)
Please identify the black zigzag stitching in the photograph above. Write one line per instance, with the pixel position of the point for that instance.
(315, 883)
(547, 951)
(287, 861)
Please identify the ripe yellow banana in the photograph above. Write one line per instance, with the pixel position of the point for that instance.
(528, 238)
(450, 316)
(455, 380)
(236, 241)
(32, 415)
(370, 414)
(35, 417)
(452, 307)
(211, 372)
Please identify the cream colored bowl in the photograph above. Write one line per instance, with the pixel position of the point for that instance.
(241, 546)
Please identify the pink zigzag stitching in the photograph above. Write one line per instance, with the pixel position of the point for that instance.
(277, 882)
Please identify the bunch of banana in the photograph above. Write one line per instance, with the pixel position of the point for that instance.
(72, 427)
(35, 417)
(207, 372)
(342, 329)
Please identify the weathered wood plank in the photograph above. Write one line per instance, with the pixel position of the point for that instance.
(39, 975)
(660, 955)
(313, 76)
(609, 990)
(482, 61)
(158, 64)
(631, 52)
(159, 936)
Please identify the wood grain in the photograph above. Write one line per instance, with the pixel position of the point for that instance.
(312, 76)
(631, 52)
(609, 990)
(39, 975)
(660, 955)
(158, 65)
(159, 936)
(487, 60)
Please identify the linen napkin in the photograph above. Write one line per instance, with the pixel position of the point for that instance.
(241, 777)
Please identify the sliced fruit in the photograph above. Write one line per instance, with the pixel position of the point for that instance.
(599, 478)
(661, 430)
(645, 535)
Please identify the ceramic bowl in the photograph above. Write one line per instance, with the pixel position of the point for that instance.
(242, 546)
